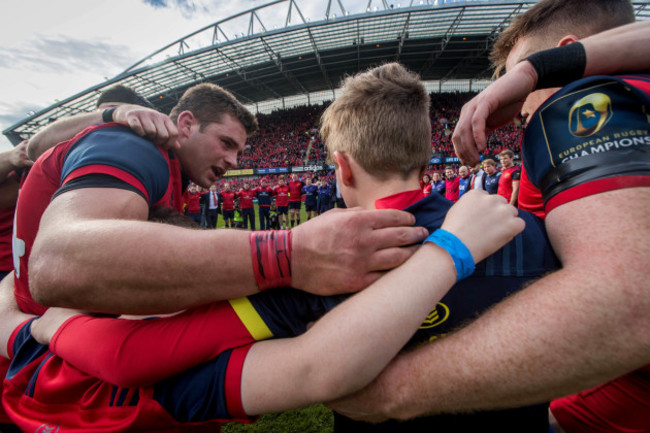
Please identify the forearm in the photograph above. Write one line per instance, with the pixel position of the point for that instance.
(61, 130)
(622, 49)
(138, 267)
(544, 342)
(130, 351)
(350, 345)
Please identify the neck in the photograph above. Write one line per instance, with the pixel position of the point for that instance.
(372, 190)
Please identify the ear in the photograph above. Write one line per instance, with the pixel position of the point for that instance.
(344, 168)
(568, 39)
(185, 122)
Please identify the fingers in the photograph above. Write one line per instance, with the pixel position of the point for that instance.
(389, 258)
(156, 126)
(386, 218)
(389, 237)
(463, 136)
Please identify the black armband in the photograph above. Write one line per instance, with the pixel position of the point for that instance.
(559, 66)
(107, 115)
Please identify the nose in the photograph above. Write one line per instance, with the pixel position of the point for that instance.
(231, 160)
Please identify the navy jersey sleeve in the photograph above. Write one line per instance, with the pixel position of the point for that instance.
(121, 154)
(25, 349)
(287, 311)
(591, 136)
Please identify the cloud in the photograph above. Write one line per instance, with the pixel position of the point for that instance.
(66, 55)
(187, 8)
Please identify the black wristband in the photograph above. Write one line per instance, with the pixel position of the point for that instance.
(107, 115)
(559, 66)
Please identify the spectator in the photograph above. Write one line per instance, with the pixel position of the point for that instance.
(510, 175)
(492, 175)
(452, 183)
(464, 182)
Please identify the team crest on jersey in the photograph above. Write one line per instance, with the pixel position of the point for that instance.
(589, 114)
(437, 317)
(47, 428)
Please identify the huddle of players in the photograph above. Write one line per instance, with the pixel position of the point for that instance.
(279, 206)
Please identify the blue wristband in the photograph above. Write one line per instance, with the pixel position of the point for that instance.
(463, 260)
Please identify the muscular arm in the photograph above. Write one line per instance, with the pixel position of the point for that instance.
(622, 49)
(515, 193)
(584, 324)
(10, 314)
(144, 121)
(94, 251)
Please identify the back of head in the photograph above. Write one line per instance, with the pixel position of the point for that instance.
(120, 94)
(382, 120)
(209, 102)
(550, 20)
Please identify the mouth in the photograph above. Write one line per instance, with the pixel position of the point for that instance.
(217, 171)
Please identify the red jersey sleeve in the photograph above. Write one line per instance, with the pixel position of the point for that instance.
(139, 353)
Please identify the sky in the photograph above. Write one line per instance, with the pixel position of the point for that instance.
(51, 50)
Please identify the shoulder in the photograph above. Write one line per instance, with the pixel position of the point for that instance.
(592, 132)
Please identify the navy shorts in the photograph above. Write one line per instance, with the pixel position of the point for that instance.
(310, 207)
(228, 214)
(295, 205)
(283, 210)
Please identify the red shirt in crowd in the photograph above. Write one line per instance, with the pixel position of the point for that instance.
(227, 200)
(282, 195)
(246, 198)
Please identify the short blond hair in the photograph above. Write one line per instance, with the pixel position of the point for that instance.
(382, 120)
(549, 20)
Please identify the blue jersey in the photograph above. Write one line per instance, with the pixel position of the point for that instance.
(311, 194)
(464, 185)
(492, 183)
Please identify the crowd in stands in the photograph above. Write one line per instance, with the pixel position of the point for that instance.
(290, 137)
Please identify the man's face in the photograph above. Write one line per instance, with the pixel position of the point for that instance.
(281, 182)
(308, 181)
(294, 177)
(263, 183)
(207, 155)
(247, 187)
(490, 169)
(449, 173)
(523, 48)
(436, 177)
(463, 172)
(476, 168)
(213, 188)
(506, 161)
(227, 187)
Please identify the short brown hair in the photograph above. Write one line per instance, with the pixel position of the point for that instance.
(550, 20)
(508, 152)
(209, 102)
(382, 120)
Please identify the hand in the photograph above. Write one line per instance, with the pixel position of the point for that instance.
(149, 123)
(344, 251)
(18, 157)
(495, 106)
(483, 222)
(44, 327)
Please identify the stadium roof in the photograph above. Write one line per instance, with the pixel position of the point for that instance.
(273, 51)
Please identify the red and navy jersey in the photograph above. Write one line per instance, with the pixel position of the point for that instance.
(277, 313)
(527, 257)
(246, 198)
(508, 175)
(192, 202)
(107, 155)
(311, 194)
(227, 200)
(264, 194)
(590, 137)
(281, 195)
(295, 190)
(41, 388)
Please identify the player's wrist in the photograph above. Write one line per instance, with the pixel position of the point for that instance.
(460, 254)
(271, 258)
(108, 115)
(559, 66)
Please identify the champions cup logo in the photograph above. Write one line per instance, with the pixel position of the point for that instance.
(590, 114)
